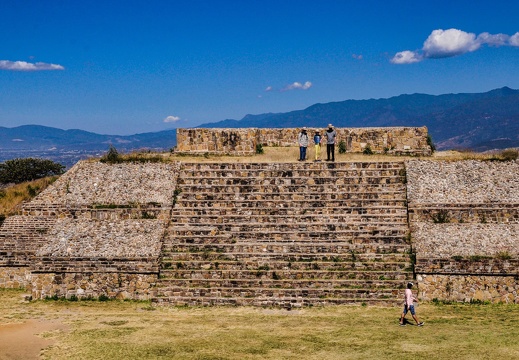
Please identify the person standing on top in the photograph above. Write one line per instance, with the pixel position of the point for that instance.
(302, 139)
(317, 141)
(331, 137)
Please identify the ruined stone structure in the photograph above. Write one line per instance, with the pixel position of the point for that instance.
(464, 219)
(394, 140)
(280, 234)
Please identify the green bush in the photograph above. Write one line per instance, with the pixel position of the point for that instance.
(103, 297)
(367, 150)
(342, 147)
(28, 169)
(431, 143)
(259, 149)
(112, 156)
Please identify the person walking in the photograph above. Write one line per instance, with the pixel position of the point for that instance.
(302, 139)
(331, 137)
(317, 141)
(409, 306)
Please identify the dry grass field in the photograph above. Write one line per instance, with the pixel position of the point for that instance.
(136, 330)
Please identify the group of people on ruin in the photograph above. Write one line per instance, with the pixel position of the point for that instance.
(331, 138)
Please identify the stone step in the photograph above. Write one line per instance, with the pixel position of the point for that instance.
(314, 236)
(214, 229)
(292, 166)
(279, 300)
(315, 183)
(288, 247)
(364, 204)
(215, 209)
(207, 179)
(402, 256)
(276, 282)
(352, 264)
(285, 274)
(21, 225)
(261, 293)
(238, 220)
(358, 190)
(353, 199)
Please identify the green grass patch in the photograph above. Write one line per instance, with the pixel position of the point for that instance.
(125, 330)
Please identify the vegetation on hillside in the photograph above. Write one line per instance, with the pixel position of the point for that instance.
(113, 156)
(12, 197)
(21, 170)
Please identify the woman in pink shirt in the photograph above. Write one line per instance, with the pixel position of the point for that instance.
(408, 306)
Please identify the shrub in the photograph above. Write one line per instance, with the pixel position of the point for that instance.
(441, 217)
(342, 147)
(259, 149)
(367, 150)
(503, 255)
(29, 169)
(510, 154)
(431, 143)
(112, 156)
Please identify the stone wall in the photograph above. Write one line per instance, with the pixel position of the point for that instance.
(15, 277)
(392, 140)
(466, 288)
(465, 240)
(464, 221)
(97, 230)
(85, 285)
(88, 237)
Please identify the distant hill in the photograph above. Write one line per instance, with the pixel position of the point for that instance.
(479, 121)
(69, 146)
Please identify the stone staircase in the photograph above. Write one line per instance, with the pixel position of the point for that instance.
(20, 237)
(286, 235)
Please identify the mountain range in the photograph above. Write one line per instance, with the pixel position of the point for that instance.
(477, 121)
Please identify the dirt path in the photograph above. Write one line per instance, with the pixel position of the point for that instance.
(20, 341)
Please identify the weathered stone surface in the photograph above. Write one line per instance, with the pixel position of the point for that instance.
(448, 240)
(392, 140)
(462, 182)
(464, 221)
(269, 234)
(465, 288)
(103, 239)
(15, 277)
(92, 285)
(90, 182)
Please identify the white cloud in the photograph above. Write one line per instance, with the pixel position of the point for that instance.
(514, 39)
(171, 119)
(493, 40)
(268, 88)
(406, 57)
(453, 42)
(297, 85)
(447, 43)
(25, 66)
(357, 56)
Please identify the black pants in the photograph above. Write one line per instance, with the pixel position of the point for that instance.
(330, 150)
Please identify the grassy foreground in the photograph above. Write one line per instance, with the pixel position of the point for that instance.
(135, 330)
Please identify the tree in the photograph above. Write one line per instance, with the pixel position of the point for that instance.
(112, 156)
(28, 169)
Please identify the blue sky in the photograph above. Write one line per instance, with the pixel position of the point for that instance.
(124, 67)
